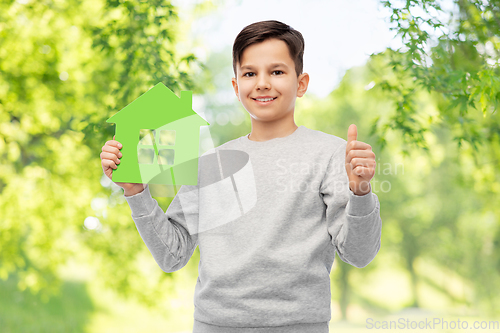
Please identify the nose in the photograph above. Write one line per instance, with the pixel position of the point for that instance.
(263, 83)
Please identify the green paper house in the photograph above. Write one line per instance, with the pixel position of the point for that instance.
(160, 135)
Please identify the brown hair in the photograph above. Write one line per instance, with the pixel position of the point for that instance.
(261, 31)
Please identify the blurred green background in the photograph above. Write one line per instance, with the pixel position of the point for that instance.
(71, 259)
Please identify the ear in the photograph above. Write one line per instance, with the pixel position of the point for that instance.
(235, 87)
(303, 83)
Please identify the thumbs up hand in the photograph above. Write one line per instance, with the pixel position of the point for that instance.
(359, 163)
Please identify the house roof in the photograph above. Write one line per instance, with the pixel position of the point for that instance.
(156, 107)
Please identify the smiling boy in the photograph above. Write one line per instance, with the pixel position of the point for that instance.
(267, 85)
(307, 197)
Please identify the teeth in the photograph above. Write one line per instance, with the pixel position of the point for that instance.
(264, 99)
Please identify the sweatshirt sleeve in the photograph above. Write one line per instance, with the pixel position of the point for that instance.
(354, 222)
(166, 234)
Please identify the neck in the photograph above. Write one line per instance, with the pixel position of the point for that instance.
(267, 130)
(265, 133)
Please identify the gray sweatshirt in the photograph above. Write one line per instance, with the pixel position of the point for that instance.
(268, 218)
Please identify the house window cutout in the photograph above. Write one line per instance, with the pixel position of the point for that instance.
(166, 156)
(145, 156)
(146, 137)
(167, 138)
(150, 141)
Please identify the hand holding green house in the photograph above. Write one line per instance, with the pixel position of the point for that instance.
(160, 134)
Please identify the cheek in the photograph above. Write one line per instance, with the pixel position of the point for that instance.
(244, 90)
(286, 88)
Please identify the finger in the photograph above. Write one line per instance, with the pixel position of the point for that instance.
(109, 164)
(352, 133)
(360, 154)
(110, 156)
(363, 172)
(113, 150)
(357, 145)
(113, 143)
(365, 162)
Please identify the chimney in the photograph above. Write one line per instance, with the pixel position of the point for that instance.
(187, 100)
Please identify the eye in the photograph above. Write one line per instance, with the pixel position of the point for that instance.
(279, 72)
(248, 73)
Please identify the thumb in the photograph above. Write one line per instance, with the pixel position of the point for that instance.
(352, 133)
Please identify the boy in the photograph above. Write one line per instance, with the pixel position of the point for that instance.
(268, 270)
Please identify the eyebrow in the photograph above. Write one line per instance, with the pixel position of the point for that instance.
(274, 65)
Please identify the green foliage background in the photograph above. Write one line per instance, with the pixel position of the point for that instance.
(429, 109)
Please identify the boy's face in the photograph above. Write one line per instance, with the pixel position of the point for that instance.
(266, 82)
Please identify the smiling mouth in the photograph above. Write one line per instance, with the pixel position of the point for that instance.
(264, 99)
